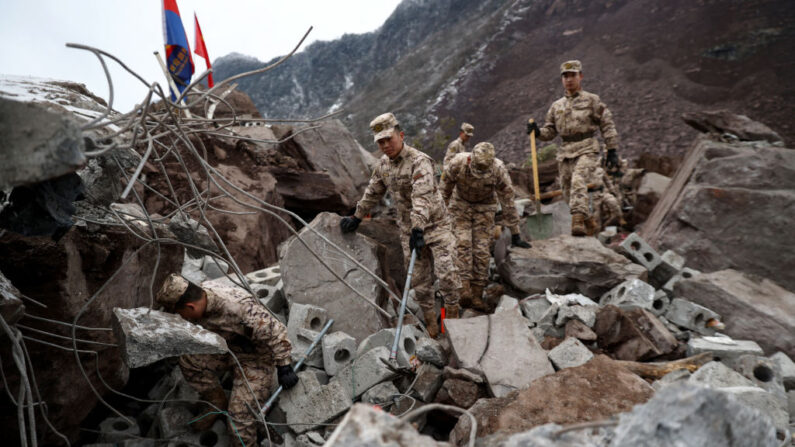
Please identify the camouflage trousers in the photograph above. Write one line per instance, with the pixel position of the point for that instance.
(575, 173)
(606, 204)
(436, 258)
(473, 227)
(202, 372)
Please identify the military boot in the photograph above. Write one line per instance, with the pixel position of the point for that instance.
(430, 323)
(452, 311)
(217, 397)
(591, 226)
(477, 299)
(578, 224)
(466, 294)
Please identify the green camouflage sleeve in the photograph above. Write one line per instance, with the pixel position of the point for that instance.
(605, 119)
(505, 196)
(449, 177)
(549, 131)
(266, 330)
(452, 149)
(423, 194)
(375, 190)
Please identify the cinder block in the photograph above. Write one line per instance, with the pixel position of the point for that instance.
(173, 421)
(303, 325)
(407, 345)
(690, 315)
(606, 237)
(271, 296)
(636, 249)
(570, 353)
(269, 276)
(670, 264)
(787, 367)
(660, 304)
(338, 351)
(365, 372)
(724, 348)
(685, 273)
(632, 293)
(118, 429)
(762, 371)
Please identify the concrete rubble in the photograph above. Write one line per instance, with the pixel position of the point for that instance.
(364, 426)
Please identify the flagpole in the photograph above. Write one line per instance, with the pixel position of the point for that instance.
(171, 81)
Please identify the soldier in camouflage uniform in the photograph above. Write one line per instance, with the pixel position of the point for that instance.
(606, 205)
(408, 174)
(257, 339)
(576, 117)
(471, 186)
(459, 144)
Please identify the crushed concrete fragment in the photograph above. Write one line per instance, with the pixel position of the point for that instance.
(692, 316)
(431, 351)
(365, 426)
(365, 372)
(338, 351)
(569, 354)
(380, 394)
(629, 294)
(787, 367)
(309, 403)
(724, 348)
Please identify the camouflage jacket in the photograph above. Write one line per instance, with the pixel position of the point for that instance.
(575, 118)
(409, 177)
(480, 193)
(455, 147)
(248, 328)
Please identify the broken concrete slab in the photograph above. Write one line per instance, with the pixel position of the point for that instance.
(752, 307)
(569, 354)
(635, 248)
(683, 414)
(365, 372)
(365, 426)
(407, 345)
(309, 403)
(338, 351)
(501, 347)
(772, 405)
(431, 351)
(567, 264)
(146, 336)
(717, 375)
(692, 316)
(461, 393)
(306, 281)
(723, 347)
(508, 304)
(632, 335)
(304, 325)
(428, 381)
(629, 294)
(585, 314)
(787, 367)
(380, 394)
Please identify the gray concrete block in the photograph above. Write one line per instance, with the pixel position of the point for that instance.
(762, 371)
(269, 276)
(685, 273)
(313, 403)
(659, 305)
(428, 381)
(586, 314)
(431, 351)
(365, 372)
(304, 324)
(338, 351)
(508, 304)
(769, 404)
(462, 374)
(407, 345)
(718, 375)
(569, 354)
(723, 348)
(214, 268)
(380, 394)
(192, 269)
(629, 294)
(675, 376)
(117, 429)
(690, 315)
(670, 264)
(636, 249)
(607, 235)
(539, 311)
(271, 296)
(787, 367)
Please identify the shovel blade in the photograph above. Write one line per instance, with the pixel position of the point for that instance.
(540, 226)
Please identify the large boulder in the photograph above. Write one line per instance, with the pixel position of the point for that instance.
(307, 281)
(594, 391)
(730, 206)
(567, 264)
(719, 122)
(751, 307)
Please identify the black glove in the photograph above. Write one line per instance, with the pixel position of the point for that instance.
(287, 377)
(533, 127)
(416, 241)
(349, 224)
(612, 159)
(516, 241)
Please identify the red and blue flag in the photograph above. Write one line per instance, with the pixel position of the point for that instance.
(178, 57)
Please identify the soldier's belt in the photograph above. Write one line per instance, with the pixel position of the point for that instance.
(576, 137)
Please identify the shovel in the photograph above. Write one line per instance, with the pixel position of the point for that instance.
(539, 225)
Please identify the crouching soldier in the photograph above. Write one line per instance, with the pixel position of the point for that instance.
(257, 339)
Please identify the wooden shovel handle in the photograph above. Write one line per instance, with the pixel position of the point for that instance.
(535, 164)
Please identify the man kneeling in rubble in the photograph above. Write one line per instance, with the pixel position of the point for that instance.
(257, 339)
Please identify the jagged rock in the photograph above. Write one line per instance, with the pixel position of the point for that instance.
(380, 394)
(569, 354)
(431, 351)
(190, 231)
(752, 307)
(550, 435)
(461, 393)
(365, 426)
(11, 306)
(306, 281)
(501, 347)
(632, 335)
(384, 230)
(462, 374)
(675, 376)
(566, 264)
(365, 372)
(406, 348)
(586, 314)
(719, 122)
(729, 207)
(428, 381)
(717, 375)
(38, 144)
(577, 329)
(774, 406)
(690, 415)
(309, 403)
(146, 336)
(594, 391)
(508, 304)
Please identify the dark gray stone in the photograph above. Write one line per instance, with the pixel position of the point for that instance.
(431, 351)
(190, 231)
(309, 403)
(117, 429)
(570, 353)
(719, 122)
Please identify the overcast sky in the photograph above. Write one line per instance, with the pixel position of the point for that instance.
(33, 34)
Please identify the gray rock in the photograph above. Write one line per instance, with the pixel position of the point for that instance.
(304, 325)
(431, 351)
(675, 376)
(570, 353)
(146, 336)
(428, 382)
(683, 414)
(752, 307)
(365, 372)
(670, 264)
(787, 367)
(690, 315)
(539, 311)
(311, 439)
(173, 386)
(190, 231)
(547, 436)
(508, 304)
(214, 268)
(761, 371)
(309, 403)
(630, 293)
(566, 264)
(192, 269)
(724, 348)
(380, 394)
(365, 426)
(173, 421)
(308, 282)
(117, 429)
(718, 375)
(586, 314)
(38, 144)
(407, 345)
(719, 122)
(501, 347)
(338, 351)
(462, 374)
(772, 405)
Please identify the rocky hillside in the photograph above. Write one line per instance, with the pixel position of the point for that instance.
(494, 63)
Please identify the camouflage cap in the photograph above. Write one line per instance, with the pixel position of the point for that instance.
(482, 158)
(171, 291)
(383, 125)
(571, 66)
(468, 129)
